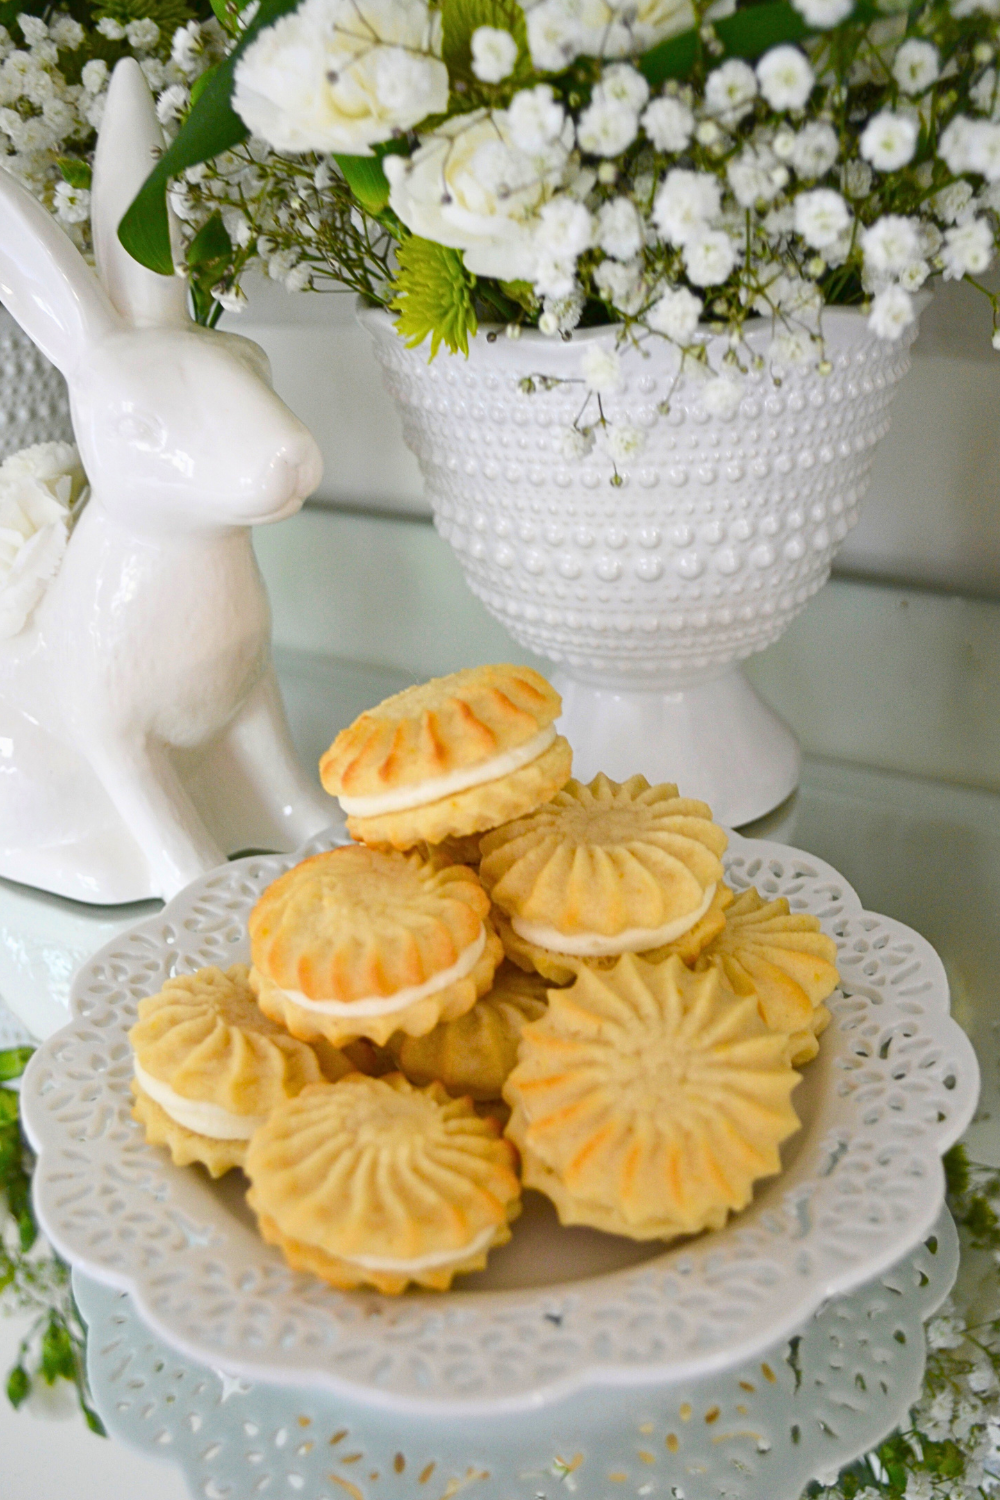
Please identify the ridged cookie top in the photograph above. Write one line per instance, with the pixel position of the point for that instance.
(654, 1092)
(374, 1168)
(448, 724)
(475, 1053)
(205, 1038)
(605, 858)
(781, 955)
(355, 923)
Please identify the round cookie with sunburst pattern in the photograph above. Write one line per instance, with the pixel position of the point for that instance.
(357, 942)
(785, 960)
(604, 869)
(474, 1054)
(210, 1066)
(449, 758)
(372, 1182)
(648, 1100)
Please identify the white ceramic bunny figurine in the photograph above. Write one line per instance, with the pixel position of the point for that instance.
(142, 736)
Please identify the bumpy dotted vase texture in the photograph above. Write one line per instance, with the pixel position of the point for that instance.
(719, 532)
(34, 405)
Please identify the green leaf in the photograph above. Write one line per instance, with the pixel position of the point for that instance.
(212, 126)
(366, 180)
(15, 1059)
(18, 1385)
(78, 174)
(8, 1106)
(58, 1361)
(211, 244)
(202, 81)
(433, 296)
(459, 20)
(92, 1420)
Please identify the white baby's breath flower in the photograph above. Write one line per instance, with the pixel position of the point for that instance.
(38, 488)
(890, 244)
(619, 229)
(814, 149)
(821, 216)
(685, 204)
(607, 126)
(622, 285)
(535, 118)
(142, 35)
(967, 250)
(555, 35)
(231, 299)
(564, 231)
(786, 79)
(622, 442)
(951, 202)
(558, 30)
(889, 141)
(891, 313)
(669, 124)
(67, 34)
(756, 176)
(342, 75)
(72, 204)
(187, 49)
(172, 103)
(626, 84)
(983, 93)
(601, 368)
(721, 397)
(34, 30)
(731, 90)
(574, 444)
(916, 66)
(856, 179)
(790, 346)
(824, 13)
(494, 53)
(982, 149)
(953, 146)
(709, 257)
(94, 75)
(915, 274)
(676, 314)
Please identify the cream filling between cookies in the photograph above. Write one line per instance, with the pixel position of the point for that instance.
(385, 1005)
(196, 1114)
(596, 945)
(422, 1262)
(438, 787)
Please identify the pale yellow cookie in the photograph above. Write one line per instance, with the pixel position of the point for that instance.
(561, 968)
(785, 960)
(210, 1066)
(449, 757)
(648, 1100)
(372, 1182)
(474, 1054)
(605, 869)
(360, 943)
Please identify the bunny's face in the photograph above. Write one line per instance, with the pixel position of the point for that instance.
(179, 428)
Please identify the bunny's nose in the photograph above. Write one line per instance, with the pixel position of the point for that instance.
(293, 475)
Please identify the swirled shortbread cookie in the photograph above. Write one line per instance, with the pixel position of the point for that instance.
(449, 758)
(649, 1099)
(359, 943)
(372, 1182)
(210, 1066)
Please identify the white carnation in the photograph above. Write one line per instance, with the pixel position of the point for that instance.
(889, 141)
(967, 250)
(731, 90)
(709, 257)
(814, 149)
(494, 53)
(916, 66)
(342, 75)
(536, 118)
(601, 368)
(38, 488)
(890, 244)
(685, 204)
(619, 229)
(669, 124)
(786, 79)
(821, 217)
(676, 314)
(824, 13)
(891, 313)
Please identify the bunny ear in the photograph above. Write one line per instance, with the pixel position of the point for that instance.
(128, 145)
(45, 283)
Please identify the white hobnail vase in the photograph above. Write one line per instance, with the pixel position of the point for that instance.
(34, 403)
(648, 594)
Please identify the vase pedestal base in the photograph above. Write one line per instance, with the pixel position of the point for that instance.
(717, 740)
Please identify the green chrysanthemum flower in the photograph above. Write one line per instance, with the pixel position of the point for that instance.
(433, 296)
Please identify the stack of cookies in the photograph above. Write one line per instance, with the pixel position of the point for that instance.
(510, 978)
